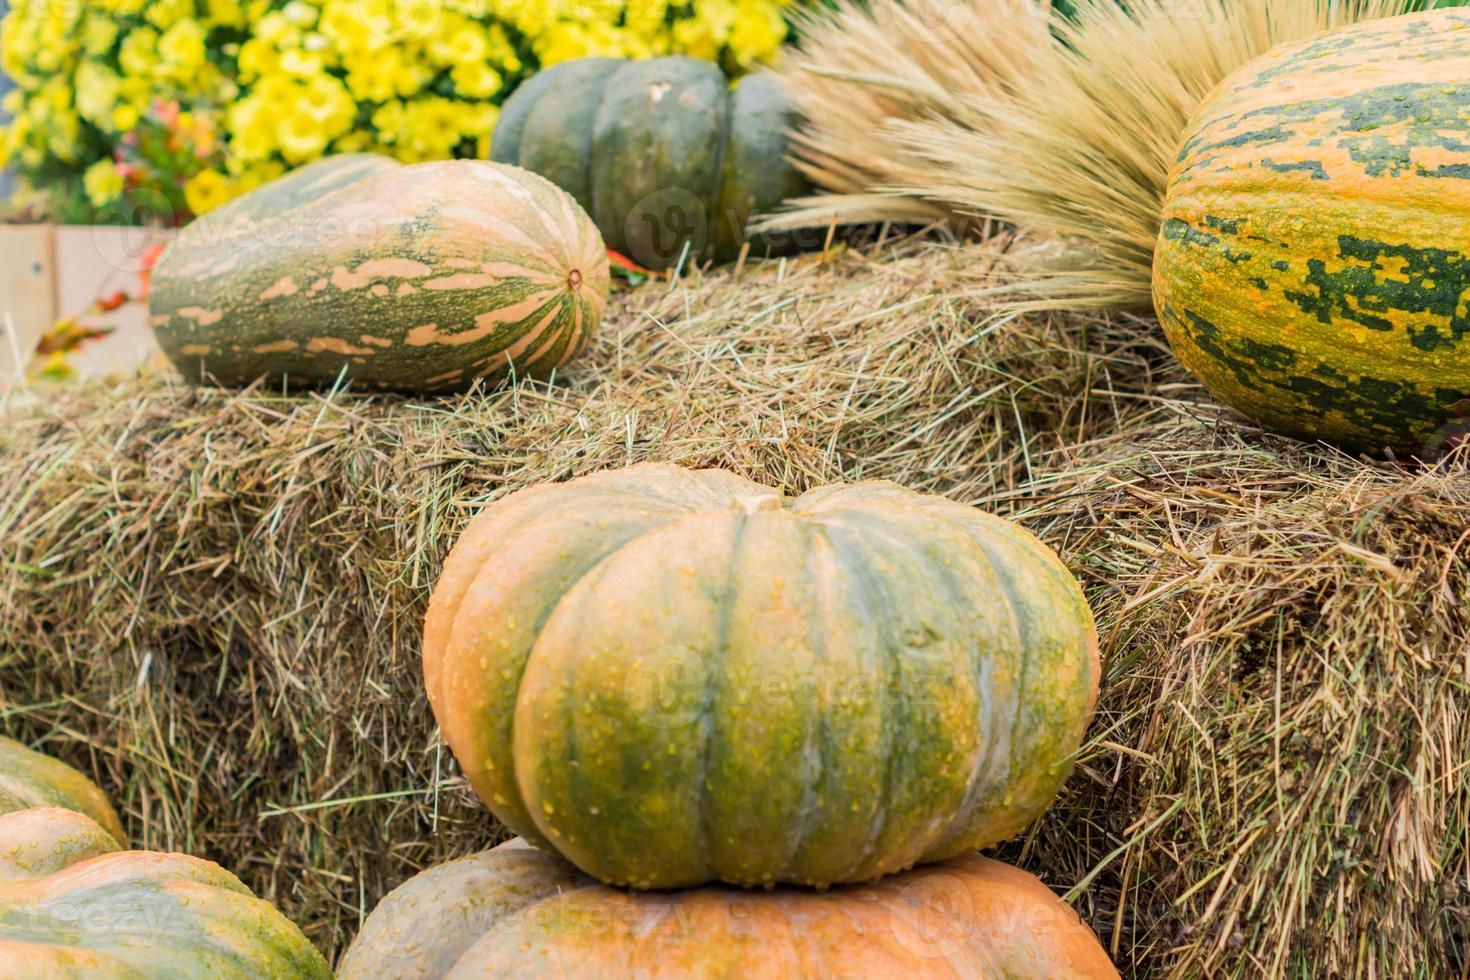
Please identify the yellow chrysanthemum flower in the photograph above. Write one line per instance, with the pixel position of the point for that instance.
(207, 190)
(96, 92)
(99, 35)
(276, 29)
(757, 33)
(225, 13)
(326, 100)
(354, 141)
(400, 21)
(300, 13)
(384, 75)
(181, 49)
(476, 80)
(343, 25)
(125, 117)
(646, 17)
(303, 63)
(164, 14)
(120, 8)
(257, 58)
(139, 53)
(301, 139)
(103, 183)
(566, 40)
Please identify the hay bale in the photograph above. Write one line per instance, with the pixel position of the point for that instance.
(212, 601)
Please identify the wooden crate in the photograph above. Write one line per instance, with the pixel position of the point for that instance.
(27, 293)
(53, 271)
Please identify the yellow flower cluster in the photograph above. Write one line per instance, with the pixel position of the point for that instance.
(74, 70)
(286, 81)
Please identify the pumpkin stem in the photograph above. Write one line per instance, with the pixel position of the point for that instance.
(574, 280)
(755, 503)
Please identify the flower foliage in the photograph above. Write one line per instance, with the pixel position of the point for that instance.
(197, 101)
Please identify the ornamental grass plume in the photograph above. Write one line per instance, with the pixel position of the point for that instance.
(863, 66)
(1069, 135)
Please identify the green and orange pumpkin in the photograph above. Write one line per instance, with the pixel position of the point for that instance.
(1313, 267)
(674, 676)
(517, 913)
(75, 903)
(32, 779)
(417, 278)
(667, 157)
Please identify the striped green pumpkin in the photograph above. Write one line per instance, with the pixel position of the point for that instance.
(1313, 267)
(411, 278)
(674, 676)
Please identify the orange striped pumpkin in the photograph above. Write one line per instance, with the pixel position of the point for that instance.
(72, 904)
(520, 914)
(416, 278)
(30, 779)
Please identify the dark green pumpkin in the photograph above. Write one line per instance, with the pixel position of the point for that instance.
(663, 154)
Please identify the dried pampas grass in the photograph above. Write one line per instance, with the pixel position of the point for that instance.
(1068, 136)
(863, 65)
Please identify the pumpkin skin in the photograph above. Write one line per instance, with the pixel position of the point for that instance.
(73, 905)
(1315, 250)
(302, 186)
(968, 917)
(46, 839)
(422, 927)
(415, 278)
(661, 153)
(30, 779)
(673, 677)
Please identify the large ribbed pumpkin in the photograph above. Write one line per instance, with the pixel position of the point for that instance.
(664, 154)
(73, 905)
(673, 677)
(30, 779)
(1314, 261)
(516, 913)
(412, 278)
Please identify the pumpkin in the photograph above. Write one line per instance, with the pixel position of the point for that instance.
(30, 779)
(73, 905)
(415, 278)
(1314, 256)
(516, 912)
(662, 153)
(674, 676)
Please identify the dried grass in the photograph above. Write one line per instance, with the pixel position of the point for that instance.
(212, 601)
(1073, 138)
(861, 66)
